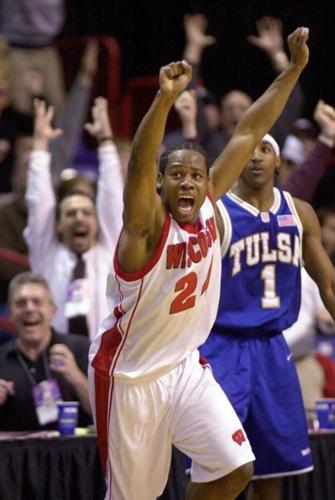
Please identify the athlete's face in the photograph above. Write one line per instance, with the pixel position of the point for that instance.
(185, 184)
(260, 169)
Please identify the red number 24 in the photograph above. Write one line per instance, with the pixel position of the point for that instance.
(187, 286)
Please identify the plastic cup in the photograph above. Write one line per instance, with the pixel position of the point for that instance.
(67, 417)
(325, 410)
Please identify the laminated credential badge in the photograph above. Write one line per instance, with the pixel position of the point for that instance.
(78, 299)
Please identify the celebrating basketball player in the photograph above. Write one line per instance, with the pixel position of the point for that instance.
(148, 388)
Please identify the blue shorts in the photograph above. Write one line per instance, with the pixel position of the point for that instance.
(259, 377)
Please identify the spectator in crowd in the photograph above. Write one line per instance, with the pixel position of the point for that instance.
(39, 366)
(299, 173)
(13, 218)
(14, 124)
(306, 153)
(13, 211)
(235, 102)
(30, 28)
(65, 239)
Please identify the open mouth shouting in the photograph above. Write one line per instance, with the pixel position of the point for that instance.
(185, 205)
(80, 233)
(80, 238)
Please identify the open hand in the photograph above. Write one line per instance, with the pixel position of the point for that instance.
(270, 35)
(195, 26)
(100, 127)
(43, 129)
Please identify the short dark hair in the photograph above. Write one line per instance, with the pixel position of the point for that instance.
(24, 279)
(184, 145)
(67, 187)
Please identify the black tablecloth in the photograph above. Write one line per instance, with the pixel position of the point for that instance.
(318, 484)
(50, 469)
(69, 469)
(64, 469)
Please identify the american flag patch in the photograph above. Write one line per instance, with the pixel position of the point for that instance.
(286, 220)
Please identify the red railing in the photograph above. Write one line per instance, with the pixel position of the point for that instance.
(12, 257)
(108, 77)
(138, 94)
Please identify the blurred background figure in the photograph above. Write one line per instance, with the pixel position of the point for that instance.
(30, 28)
(215, 126)
(72, 240)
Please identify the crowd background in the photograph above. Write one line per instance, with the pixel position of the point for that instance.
(150, 34)
(104, 48)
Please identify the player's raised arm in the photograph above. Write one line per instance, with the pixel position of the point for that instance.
(140, 198)
(260, 117)
(143, 213)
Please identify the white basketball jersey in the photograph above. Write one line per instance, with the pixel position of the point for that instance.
(164, 312)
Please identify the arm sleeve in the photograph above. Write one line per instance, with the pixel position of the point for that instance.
(306, 175)
(110, 195)
(40, 198)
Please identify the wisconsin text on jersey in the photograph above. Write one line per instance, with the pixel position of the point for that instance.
(184, 254)
(256, 249)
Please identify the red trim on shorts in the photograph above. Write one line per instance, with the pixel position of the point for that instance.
(110, 341)
(111, 345)
(153, 261)
(102, 385)
(204, 363)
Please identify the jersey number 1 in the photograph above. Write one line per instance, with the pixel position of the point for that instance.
(269, 300)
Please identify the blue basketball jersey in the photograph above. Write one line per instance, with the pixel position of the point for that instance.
(261, 284)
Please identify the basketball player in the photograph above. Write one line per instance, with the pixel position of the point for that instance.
(150, 390)
(267, 236)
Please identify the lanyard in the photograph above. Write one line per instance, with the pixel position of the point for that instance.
(28, 373)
